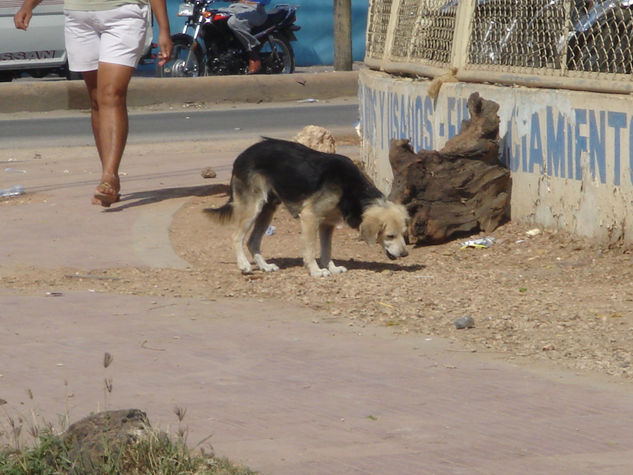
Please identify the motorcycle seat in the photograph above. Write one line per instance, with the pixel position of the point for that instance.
(275, 15)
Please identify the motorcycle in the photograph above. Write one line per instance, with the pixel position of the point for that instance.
(212, 48)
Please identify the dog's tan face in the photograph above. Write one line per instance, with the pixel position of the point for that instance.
(386, 223)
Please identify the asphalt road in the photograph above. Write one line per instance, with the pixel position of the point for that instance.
(243, 121)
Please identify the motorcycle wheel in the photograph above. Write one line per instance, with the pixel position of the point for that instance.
(277, 56)
(185, 61)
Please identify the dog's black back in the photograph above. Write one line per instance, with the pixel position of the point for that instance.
(297, 172)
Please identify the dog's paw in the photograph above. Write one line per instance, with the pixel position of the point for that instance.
(269, 267)
(243, 264)
(263, 265)
(320, 273)
(336, 269)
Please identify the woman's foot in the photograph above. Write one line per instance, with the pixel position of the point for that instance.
(105, 195)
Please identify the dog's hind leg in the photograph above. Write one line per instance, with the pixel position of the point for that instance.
(325, 236)
(262, 222)
(246, 215)
(243, 263)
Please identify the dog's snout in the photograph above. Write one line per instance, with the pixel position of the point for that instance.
(396, 254)
(395, 248)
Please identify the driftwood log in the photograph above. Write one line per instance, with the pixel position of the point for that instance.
(462, 189)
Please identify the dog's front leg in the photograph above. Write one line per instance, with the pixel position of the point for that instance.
(325, 235)
(309, 230)
(254, 241)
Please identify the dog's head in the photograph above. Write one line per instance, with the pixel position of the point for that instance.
(385, 222)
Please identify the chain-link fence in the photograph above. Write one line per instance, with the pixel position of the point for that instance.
(578, 44)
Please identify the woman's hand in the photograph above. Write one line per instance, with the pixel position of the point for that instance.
(166, 47)
(23, 17)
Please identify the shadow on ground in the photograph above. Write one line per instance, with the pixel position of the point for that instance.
(288, 262)
(147, 197)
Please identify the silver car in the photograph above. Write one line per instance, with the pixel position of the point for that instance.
(38, 51)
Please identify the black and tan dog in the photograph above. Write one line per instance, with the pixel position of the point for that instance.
(319, 188)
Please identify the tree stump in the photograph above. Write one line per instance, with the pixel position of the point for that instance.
(462, 189)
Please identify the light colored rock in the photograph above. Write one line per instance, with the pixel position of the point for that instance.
(317, 138)
(208, 172)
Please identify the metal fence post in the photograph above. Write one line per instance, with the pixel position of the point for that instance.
(463, 26)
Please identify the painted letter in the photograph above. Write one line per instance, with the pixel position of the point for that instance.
(428, 123)
(450, 108)
(617, 120)
(555, 144)
(417, 124)
(581, 140)
(597, 150)
(536, 144)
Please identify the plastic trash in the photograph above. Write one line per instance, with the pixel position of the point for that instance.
(271, 230)
(308, 100)
(481, 243)
(14, 170)
(15, 190)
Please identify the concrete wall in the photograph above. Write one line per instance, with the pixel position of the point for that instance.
(570, 153)
(39, 96)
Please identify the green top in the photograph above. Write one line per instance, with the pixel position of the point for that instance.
(94, 5)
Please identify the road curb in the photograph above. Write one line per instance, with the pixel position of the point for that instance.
(34, 96)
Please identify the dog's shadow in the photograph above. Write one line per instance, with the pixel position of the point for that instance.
(142, 198)
(288, 262)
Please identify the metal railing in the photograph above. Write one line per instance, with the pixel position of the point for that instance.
(575, 44)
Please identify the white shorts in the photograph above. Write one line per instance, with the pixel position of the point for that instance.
(115, 36)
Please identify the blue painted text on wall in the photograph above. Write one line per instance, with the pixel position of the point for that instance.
(590, 141)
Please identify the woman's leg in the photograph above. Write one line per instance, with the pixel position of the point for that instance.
(90, 79)
(107, 88)
(106, 46)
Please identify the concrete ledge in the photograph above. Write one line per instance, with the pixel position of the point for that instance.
(42, 96)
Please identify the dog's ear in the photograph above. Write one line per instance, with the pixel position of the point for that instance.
(370, 228)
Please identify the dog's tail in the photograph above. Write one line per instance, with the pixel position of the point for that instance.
(223, 214)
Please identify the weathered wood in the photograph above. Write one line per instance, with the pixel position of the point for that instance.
(461, 189)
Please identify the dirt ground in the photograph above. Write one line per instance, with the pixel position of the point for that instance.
(547, 297)
(551, 297)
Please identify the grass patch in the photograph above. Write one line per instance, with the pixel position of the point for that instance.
(154, 454)
(107, 443)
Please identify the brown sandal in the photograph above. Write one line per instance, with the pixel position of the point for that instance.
(105, 195)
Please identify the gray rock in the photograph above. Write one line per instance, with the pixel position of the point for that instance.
(464, 322)
(92, 439)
